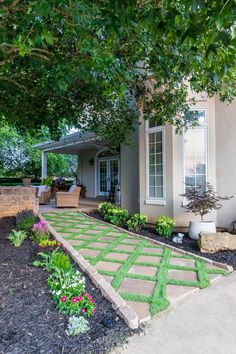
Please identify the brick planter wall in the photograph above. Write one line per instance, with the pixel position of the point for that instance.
(15, 199)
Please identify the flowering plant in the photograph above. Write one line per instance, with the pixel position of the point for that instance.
(67, 290)
(49, 246)
(40, 231)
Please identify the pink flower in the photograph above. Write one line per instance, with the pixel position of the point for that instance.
(74, 299)
(80, 298)
(91, 301)
(83, 310)
(94, 311)
(63, 299)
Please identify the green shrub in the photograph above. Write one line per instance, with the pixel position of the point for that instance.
(61, 261)
(17, 237)
(26, 223)
(136, 222)
(47, 181)
(165, 226)
(77, 325)
(116, 216)
(104, 207)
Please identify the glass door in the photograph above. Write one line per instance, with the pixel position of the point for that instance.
(108, 175)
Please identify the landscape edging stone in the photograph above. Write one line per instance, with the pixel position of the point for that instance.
(119, 305)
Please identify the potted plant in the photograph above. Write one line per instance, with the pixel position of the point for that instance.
(200, 201)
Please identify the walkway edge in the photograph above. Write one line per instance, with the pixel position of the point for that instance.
(118, 304)
(224, 266)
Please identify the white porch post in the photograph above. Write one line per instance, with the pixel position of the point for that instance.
(44, 164)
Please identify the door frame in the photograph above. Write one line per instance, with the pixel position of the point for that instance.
(97, 170)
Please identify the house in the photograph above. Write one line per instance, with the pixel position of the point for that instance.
(153, 172)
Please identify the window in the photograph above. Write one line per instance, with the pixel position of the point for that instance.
(195, 153)
(155, 163)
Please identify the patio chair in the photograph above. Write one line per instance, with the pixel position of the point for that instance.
(43, 194)
(68, 199)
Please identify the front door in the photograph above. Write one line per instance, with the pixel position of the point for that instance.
(108, 175)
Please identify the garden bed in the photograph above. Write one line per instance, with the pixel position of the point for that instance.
(227, 257)
(29, 322)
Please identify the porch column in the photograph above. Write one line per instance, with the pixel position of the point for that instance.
(43, 164)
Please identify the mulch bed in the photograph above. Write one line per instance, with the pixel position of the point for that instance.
(227, 257)
(29, 322)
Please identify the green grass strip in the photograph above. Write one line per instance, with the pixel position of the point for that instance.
(159, 300)
(135, 297)
(202, 274)
(121, 273)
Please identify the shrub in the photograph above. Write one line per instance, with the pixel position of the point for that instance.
(136, 222)
(113, 214)
(26, 222)
(40, 232)
(165, 226)
(47, 181)
(61, 261)
(77, 325)
(202, 199)
(104, 207)
(17, 237)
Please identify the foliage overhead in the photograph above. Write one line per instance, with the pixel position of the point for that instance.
(86, 62)
(19, 158)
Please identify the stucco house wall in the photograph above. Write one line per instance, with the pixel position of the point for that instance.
(225, 122)
(87, 168)
(129, 174)
(221, 167)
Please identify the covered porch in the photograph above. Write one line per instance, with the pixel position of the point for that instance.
(98, 169)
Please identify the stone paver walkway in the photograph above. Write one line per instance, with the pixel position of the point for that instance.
(148, 276)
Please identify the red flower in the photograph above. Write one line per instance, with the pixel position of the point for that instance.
(83, 310)
(63, 299)
(74, 299)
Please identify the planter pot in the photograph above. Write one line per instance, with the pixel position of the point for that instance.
(195, 227)
(26, 182)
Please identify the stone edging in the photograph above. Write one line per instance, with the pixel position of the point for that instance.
(179, 250)
(118, 304)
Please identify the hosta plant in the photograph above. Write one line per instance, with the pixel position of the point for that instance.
(17, 237)
(77, 325)
(165, 226)
(136, 222)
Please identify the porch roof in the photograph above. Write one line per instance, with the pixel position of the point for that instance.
(72, 144)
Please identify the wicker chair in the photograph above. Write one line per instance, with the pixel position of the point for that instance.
(44, 197)
(68, 199)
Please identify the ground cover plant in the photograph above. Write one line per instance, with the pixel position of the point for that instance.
(29, 321)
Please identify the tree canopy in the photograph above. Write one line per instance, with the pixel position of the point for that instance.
(86, 62)
(19, 158)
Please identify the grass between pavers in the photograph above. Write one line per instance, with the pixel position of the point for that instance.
(158, 300)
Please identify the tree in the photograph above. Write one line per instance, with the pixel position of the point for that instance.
(19, 158)
(84, 61)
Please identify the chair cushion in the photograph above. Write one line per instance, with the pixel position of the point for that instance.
(72, 188)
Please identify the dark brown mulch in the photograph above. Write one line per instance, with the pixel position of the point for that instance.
(227, 257)
(29, 322)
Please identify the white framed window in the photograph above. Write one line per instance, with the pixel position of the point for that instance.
(155, 163)
(196, 152)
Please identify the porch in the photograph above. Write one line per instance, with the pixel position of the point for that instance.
(98, 168)
(85, 205)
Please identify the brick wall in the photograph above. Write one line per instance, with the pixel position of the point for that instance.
(15, 199)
